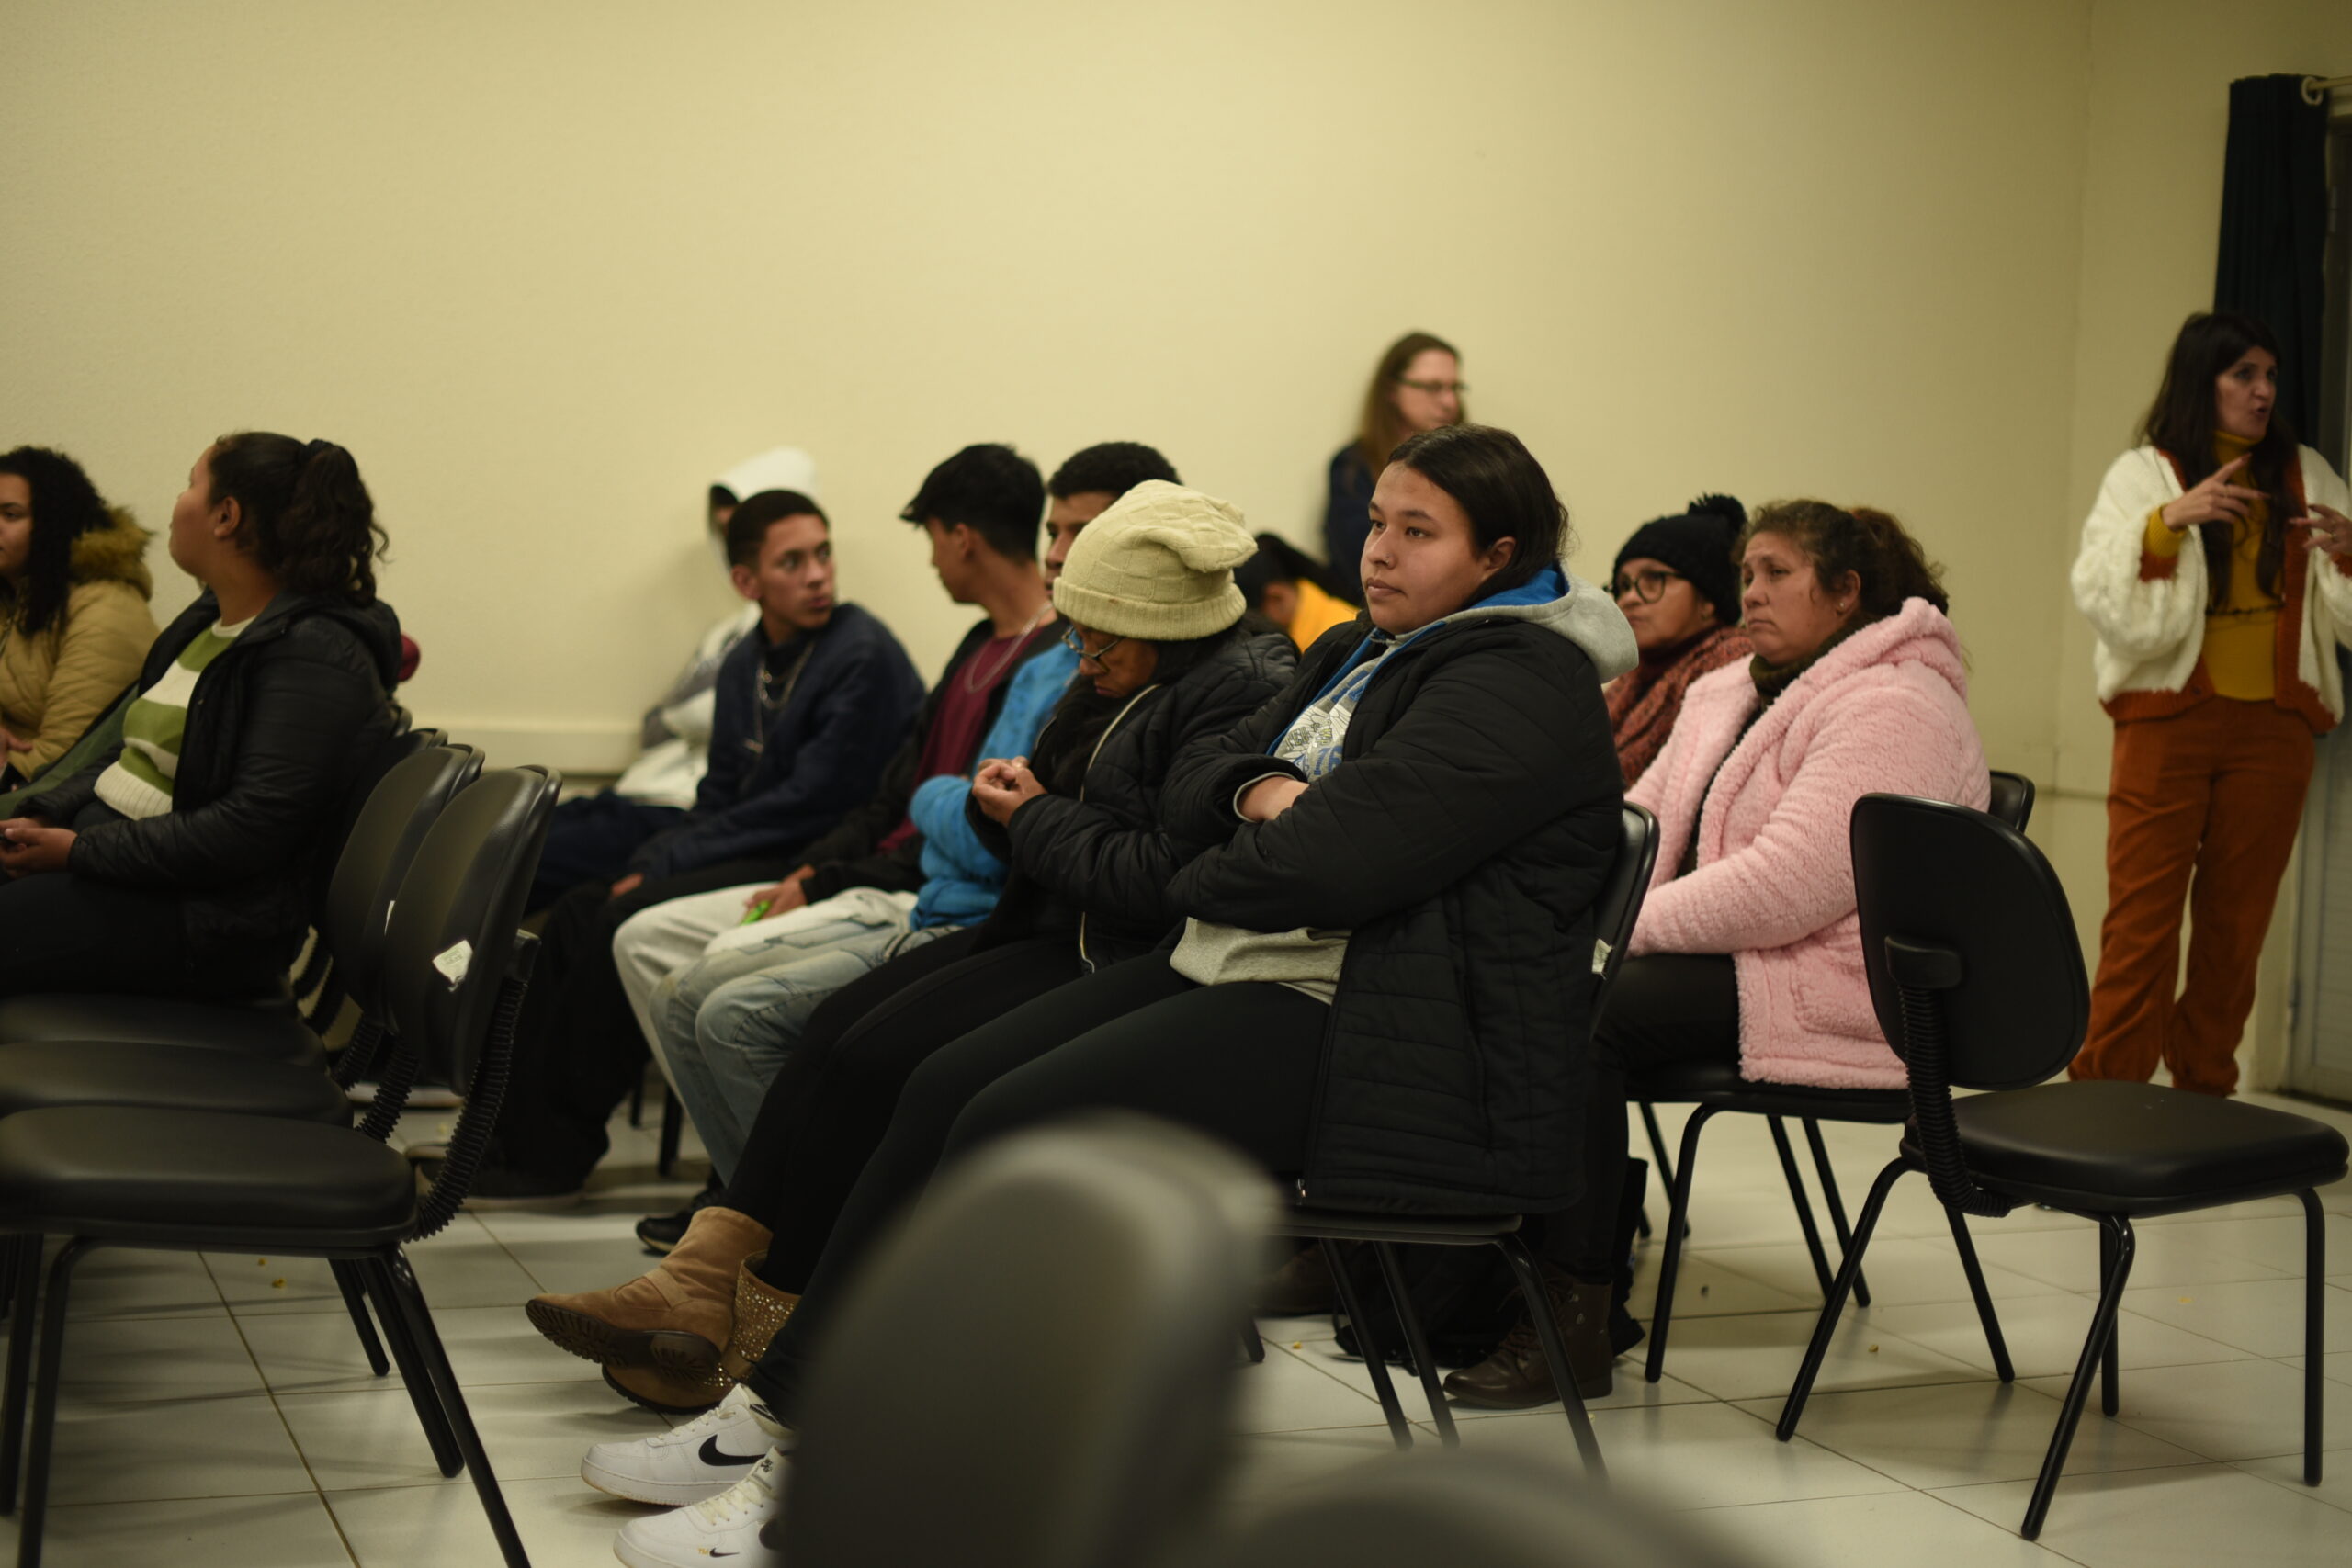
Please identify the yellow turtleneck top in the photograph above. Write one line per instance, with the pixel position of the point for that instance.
(2241, 635)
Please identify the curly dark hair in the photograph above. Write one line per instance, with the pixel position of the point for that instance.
(66, 505)
(1884, 559)
(308, 517)
(1112, 468)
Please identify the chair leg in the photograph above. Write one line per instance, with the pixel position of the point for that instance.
(1548, 1333)
(2110, 1394)
(1392, 1274)
(1657, 1143)
(410, 1301)
(673, 1125)
(1676, 1227)
(44, 1431)
(1251, 1345)
(1344, 1288)
(2314, 1328)
(2070, 1412)
(346, 1279)
(1806, 1221)
(1984, 1315)
(1830, 1196)
(25, 1258)
(636, 1102)
(413, 1376)
(1815, 1351)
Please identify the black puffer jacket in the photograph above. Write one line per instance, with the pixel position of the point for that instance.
(1461, 840)
(282, 726)
(1097, 864)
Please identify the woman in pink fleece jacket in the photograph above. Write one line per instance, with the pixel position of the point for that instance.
(1748, 944)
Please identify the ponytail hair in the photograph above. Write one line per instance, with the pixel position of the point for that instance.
(1884, 559)
(309, 520)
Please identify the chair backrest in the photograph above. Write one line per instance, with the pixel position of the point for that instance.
(1618, 905)
(2012, 799)
(377, 854)
(1977, 918)
(1046, 1342)
(452, 937)
(1464, 1510)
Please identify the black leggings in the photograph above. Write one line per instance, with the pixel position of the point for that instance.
(1239, 1061)
(827, 1110)
(1665, 1007)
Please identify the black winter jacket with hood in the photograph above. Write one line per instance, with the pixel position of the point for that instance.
(1097, 864)
(282, 728)
(1461, 841)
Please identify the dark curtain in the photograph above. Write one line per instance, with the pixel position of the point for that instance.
(2274, 229)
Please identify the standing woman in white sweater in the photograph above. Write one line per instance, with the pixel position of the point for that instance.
(2215, 571)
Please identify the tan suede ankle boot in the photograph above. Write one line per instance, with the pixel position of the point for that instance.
(759, 1312)
(674, 1317)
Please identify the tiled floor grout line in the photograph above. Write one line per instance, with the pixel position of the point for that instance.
(279, 1410)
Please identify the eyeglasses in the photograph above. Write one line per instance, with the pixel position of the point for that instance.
(1434, 389)
(1076, 644)
(1647, 586)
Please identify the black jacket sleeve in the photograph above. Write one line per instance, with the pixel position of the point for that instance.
(287, 776)
(1497, 741)
(1101, 861)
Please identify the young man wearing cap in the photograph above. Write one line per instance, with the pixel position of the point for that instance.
(1675, 581)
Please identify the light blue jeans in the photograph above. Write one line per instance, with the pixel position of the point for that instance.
(728, 1020)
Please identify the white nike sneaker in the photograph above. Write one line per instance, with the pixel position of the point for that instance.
(726, 1525)
(688, 1463)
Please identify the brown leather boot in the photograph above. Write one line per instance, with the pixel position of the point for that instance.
(1518, 1374)
(673, 1318)
(650, 1388)
(759, 1312)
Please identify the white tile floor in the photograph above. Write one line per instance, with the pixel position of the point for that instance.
(219, 1414)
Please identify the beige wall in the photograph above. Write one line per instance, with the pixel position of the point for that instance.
(547, 268)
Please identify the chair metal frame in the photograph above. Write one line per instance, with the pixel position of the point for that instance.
(1920, 974)
(1618, 905)
(2012, 799)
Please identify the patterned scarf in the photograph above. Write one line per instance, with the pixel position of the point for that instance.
(1644, 701)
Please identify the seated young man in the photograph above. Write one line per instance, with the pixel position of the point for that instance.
(592, 835)
(809, 710)
(774, 972)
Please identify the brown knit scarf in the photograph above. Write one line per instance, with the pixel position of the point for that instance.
(1644, 701)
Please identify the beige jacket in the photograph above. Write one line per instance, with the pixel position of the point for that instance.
(53, 683)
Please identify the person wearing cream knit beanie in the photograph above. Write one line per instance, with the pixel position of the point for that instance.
(1158, 564)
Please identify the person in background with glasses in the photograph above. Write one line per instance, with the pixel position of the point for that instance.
(1418, 387)
(1675, 582)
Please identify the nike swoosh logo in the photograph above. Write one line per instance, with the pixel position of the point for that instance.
(713, 1454)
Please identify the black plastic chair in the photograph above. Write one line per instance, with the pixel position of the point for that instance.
(1030, 1456)
(1714, 1087)
(455, 967)
(1978, 983)
(1615, 908)
(269, 1028)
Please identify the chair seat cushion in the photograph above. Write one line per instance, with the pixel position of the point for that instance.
(276, 1035)
(165, 1077)
(115, 1172)
(2142, 1145)
(1718, 1083)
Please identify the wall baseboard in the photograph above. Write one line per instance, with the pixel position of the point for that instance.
(580, 752)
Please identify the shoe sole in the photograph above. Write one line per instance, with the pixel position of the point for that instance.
(643, 1403)
(1588, 1390)
(665, 1494)
(670, 1351)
